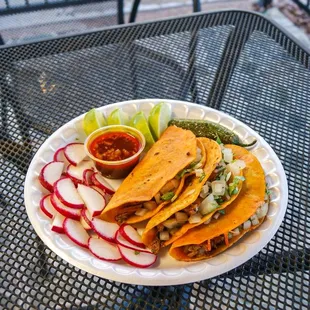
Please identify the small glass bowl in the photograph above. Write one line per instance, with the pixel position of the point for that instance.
(115, 169)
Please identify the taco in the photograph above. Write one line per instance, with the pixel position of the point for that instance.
(247, 212)
(203, 196)
(156, 180)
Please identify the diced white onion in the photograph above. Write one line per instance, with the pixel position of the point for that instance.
(195, 218)
(207, 207)
(222, 178)
(253, 217)
(192, 191)
(236, 231)
(199, 165)
(141, 212)
(204, 191)
(150, 205)
(181, 217)
(218, 188)
(264, 209)
(210, 198)
(228, 176)
(198, 154)
(255, 221)
(234, 169)
(164, 235)
(198, 172)
(140, 231)
(171, 223)
(230, 235)
(240, 163)
(227, 155)
(216, 215)
(247, 225)
(208, 221)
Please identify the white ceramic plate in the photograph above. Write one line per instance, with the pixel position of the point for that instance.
(166, 271)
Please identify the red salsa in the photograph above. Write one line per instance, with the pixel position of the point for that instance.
(114, 146)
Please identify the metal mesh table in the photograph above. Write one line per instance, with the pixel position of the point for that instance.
(234, 61)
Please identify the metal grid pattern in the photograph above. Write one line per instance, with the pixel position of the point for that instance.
(237, 62)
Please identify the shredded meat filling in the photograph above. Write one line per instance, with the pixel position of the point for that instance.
(126, 212)
(193, 208)
(196, 250)
(155, 246)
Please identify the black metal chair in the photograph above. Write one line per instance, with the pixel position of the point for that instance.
(114, 9)
(132, 18)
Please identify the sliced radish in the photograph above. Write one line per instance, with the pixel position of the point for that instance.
(131, 235)
(75, 153)
(123, 242)
(67, 193)
(57, 225)
(137, 258)
(86, 216)
(50, 173)
(93, 200)
(103, 249)
(47, 207)
(105, 230)
(76, 232)
(64, 210)
(87, 177)
(99, 181)
(60, 156)
(101, 191)
(85, 224)
(76, 173)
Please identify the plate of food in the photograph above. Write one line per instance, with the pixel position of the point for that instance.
(155, 192)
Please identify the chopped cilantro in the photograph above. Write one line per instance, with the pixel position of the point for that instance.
(167, 196)
(202, 177)
(193, 164)
(239, 178)
(219, 200)
(221, 212)
(182, 173)
(218, 140)
(137, 252)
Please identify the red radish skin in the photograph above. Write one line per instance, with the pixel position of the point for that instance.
(87, 174)
(86, 216)
(123, 242)
(47, 207)
(76, 173)
(136, 258)
(100, 191)
(105, 230)
(50, 173)
(103, 249)
(60, 156)
(57, 225)
(75, 153)
(64, 210)
(131, 235)
(99, 181)
(76, 232)
(67, 193)
(94, 201)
